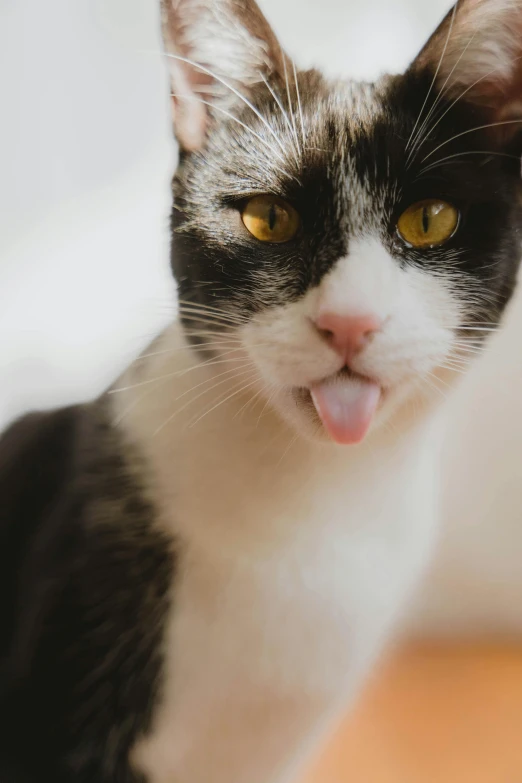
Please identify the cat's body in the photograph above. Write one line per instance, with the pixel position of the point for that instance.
(79, 660)
(196, 578)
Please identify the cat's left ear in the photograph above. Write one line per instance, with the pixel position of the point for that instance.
(215, 49)
(475, 56)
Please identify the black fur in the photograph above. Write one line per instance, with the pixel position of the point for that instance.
(83, 592)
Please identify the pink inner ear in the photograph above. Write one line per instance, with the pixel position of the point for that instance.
(512, 93)
(190, 122)
(505, 102)
(189, 114)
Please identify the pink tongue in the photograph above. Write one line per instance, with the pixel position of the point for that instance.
(346, 407)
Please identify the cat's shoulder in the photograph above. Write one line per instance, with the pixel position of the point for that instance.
(36, 459)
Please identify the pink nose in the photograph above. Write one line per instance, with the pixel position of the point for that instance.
(348, 334)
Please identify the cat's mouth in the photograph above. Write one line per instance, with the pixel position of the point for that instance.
(345, 404)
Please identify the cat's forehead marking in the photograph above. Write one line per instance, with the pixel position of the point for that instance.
(360, 103)
(345, 124)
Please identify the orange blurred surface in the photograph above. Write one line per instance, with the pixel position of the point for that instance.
(445, 713)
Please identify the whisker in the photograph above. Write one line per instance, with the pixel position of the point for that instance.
(419, 139)
(179, 373)
(433, 385)
(232, 89)
(462, 95)
(267, 403)
(126, 411)
(208, 320)
(222, 402)
(471, 130)
(460, 154)
(492, 324)
(462, 350)
(195, 325)
(229, 318)
(293, 441)
(479, 328)
(462, 357)
(214, 312)
(478, 342)
(251, 402)
(299, 105)
(201, 394)
(470, 353)
(283, 111)
(458, 370)
(177, 348)
(239, 122)
(435, 77)
(290, 109)
(454, 360)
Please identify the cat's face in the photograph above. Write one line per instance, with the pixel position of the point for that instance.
(352, 243)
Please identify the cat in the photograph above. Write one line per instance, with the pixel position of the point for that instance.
(200, 568)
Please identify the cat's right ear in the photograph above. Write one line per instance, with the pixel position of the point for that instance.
(215, 50)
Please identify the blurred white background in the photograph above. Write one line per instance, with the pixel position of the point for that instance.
(85, 158)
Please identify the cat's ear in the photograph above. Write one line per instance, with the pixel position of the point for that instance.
(214, 49)
(476, 56)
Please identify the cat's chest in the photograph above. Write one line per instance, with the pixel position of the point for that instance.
(282, 637)
(277, 555)
(289, 577)
(296, 616)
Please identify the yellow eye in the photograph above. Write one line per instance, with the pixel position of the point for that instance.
(270, 219)
(428, 223)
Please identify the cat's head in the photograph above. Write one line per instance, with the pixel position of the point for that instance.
(353, 242)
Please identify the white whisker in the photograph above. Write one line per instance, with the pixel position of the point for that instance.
(461, 96)
(179, 373)
(235, 119)
(283, 112)
(479, 328)
(299, 105)
(215, 312)
(435, 77)
(267, 403)
(178, 348)
(208, 321)
(251, 402)
(233, 90)
(433, 385)
(293, 441)
(201, 394)
(290, 109)
(460, 154)
(419, 139)
(471, 130)
(222, 402)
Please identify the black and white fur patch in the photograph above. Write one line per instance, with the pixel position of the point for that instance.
(182, 531)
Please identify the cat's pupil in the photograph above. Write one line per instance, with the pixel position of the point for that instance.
(272, 217)
(425, 220)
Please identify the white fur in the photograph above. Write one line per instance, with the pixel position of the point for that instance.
(296, 556)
